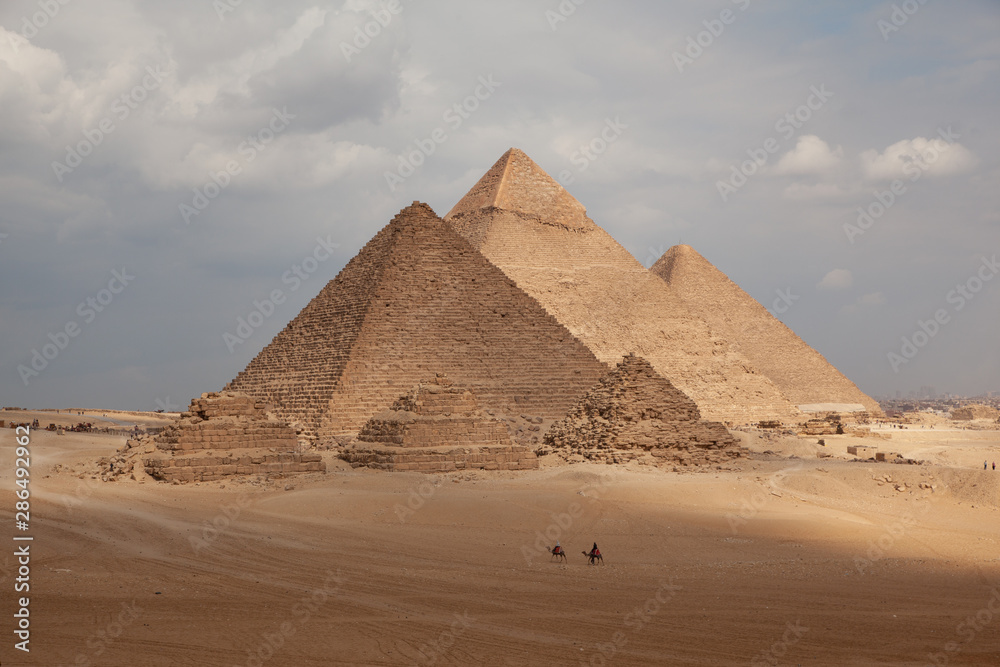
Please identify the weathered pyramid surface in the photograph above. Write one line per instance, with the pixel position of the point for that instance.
(515, 183)
(436, 427)
(603, 295)
(225, 434)
(636, 409)
(417, 300)
(799, 371)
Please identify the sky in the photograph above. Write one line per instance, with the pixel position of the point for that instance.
(168, 169)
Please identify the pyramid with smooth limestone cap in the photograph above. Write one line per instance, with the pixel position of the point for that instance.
(525, 223)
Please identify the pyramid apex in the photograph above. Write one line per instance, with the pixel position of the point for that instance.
(664, 266)
(516, 183)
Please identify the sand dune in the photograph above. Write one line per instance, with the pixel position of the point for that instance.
(821, 560)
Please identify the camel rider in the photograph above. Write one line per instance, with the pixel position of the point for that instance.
(595, 551)
(558, 549)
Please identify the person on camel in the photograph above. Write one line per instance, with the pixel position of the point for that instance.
(557, 550)
(594, 551)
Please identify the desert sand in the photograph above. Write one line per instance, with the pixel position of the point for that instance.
(785, 558)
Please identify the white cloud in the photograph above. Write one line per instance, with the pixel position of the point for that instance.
(233, 77)
(872, 300)
(837, 279)
(811, 155)
(912, 158)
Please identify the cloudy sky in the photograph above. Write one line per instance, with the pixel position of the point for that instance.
(165, 165)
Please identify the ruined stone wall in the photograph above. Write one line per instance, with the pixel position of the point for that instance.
(209, 468)
(799, 371)
(484, 458)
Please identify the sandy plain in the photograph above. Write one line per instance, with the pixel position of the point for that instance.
(786, 558)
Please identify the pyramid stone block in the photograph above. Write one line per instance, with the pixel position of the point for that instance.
(802, 374)
(540, 236)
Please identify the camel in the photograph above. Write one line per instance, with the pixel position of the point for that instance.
(557, 554)
(594, 557)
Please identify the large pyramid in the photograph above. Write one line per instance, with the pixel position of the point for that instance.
(802, 373)
(416, 301)
(540, 236)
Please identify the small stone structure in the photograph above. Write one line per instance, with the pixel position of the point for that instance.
(635, 411)
(226, 434)
(436, 427)
(828, 425)
(863, 451)
(970, 412)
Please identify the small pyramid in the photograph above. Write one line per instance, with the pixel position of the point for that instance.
(436, 427)
(226, 434)
(634, 410)
(515, 183)
(416, 301)
(539, 236)
(803, 374)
